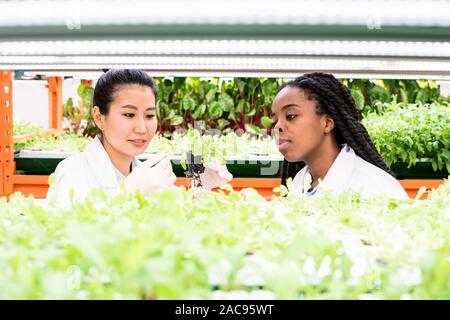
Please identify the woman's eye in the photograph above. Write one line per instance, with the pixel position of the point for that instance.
(129, 115)
(290, 116)
(150, 116)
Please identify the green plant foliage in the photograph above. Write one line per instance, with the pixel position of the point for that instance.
(58, 141)
(242, 103)
(222, 104)
(410, 132)
(266, 122)
(404, 132)
(78, 118)
(211, 146)
(207, 145)
(370, 95)
(21, 127)
(193, 244)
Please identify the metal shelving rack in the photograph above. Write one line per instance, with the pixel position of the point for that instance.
(365, 39)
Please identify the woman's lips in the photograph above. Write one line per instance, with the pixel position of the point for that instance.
(139, 143)
(283, 144)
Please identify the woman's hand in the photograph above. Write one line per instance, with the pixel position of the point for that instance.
(152, 175)
(215, 175)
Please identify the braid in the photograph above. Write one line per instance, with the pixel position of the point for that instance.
(334, 99)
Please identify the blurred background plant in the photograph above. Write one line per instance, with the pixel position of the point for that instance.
(229, 104)
(77, 118)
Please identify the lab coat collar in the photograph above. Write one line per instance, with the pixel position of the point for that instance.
(339, 174)
(338, 177)
(102, 167)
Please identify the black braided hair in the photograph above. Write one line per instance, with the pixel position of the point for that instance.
(334, 99)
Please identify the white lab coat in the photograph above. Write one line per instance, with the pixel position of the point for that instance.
(349, 171)
(84, 172)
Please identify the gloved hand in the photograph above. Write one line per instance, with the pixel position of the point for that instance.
(152, 175)
(215, 175)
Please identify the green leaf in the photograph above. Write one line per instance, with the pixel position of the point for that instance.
(252, 128)
(199, 111)
(434, 164)
(266, 122)
(248, 108)
(267, 88)
(232, 115)
(203, 88)
(68, 106)
(170, 115)
(422, 83)
(215, 110)
(252, 84)
(211, 95)
(176, 120)
(358, 96)
(241, 84)
(222, 123)
(240, 106)
(403, 95)
(423, 95)
(81, 88)
(86, 94)
(251, 112)
(188, 103)
(183, 163)
(225, 101)
(378, 93)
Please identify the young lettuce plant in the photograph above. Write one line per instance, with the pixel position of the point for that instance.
(195, 168)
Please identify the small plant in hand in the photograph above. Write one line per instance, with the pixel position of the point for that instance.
(195, 168)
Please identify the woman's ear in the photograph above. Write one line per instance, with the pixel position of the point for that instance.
(329, 124)
(99, 119)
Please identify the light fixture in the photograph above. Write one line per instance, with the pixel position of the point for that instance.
(227, 48)
(235, 66)
(373, 14)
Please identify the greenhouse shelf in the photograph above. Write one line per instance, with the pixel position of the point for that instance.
(37, 185)
(45, 162)
(33, 168)
(421, 170)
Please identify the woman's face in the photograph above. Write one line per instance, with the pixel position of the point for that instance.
(301, 130)
(131, 122)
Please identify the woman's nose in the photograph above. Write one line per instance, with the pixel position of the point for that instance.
(278, 126)
(140, 126)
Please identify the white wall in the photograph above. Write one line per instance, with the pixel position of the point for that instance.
(444, 87)
(30, 99)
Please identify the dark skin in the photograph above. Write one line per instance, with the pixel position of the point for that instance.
(304, 135)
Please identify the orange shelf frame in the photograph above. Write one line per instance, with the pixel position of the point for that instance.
(88, 83)
(412, 186)
(6, 133)
(28, 185)
(9, 181)
(38, 185)
(55, 105)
